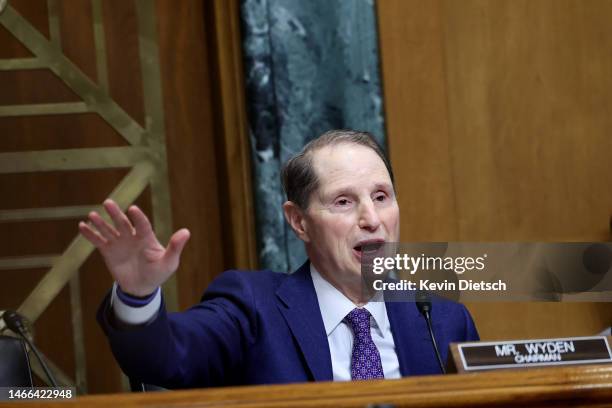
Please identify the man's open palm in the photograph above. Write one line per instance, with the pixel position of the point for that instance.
(132, 252)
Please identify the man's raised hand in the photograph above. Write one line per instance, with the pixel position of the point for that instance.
(131, 251)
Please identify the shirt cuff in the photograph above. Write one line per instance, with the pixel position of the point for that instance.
(137, 312)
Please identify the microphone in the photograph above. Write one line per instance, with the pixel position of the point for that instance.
(14, 321)
(423, 303)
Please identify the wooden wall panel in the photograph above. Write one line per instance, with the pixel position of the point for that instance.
(192, 143)
(53, 132)
(205, 130)
(33, 86)
(223, 26)
(124, 66)
(498, 118)
(37, 13)
(529, 97)
(53, 330)
(76, 37)
(415, 94)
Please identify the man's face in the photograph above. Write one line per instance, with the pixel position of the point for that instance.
(354, 205)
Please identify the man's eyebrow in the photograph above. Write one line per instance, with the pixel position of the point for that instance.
(338, 191)
(383, 186)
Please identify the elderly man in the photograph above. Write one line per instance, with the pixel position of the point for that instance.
(265, 327)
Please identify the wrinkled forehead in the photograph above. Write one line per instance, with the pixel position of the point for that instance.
(343, 164)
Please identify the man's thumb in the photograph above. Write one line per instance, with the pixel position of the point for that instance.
(176, 244)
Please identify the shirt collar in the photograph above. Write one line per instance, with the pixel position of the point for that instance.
(335, 306)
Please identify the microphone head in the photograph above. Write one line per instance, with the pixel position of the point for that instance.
(423, 302)
(14, 321)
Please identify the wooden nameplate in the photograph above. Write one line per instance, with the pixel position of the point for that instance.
(493, 355)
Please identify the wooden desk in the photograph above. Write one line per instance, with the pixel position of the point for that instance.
(543, 387)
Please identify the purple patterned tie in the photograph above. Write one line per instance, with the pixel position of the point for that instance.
(365, 362)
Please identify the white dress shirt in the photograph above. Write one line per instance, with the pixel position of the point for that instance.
(334, 308)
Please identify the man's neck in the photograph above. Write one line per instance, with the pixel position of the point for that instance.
(352, 288)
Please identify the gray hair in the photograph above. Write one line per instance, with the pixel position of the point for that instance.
(298, 176)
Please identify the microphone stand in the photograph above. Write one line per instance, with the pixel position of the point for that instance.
(423, 303)
(15, 323)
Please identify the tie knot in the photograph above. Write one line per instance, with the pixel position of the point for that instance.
(359, 318)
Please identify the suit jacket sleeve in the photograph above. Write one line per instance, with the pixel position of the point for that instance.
(203, 346)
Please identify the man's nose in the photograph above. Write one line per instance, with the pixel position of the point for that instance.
(368, 217)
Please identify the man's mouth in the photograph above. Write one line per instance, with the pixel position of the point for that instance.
(367, 248)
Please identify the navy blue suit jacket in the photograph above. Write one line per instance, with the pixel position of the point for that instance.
(263, 328)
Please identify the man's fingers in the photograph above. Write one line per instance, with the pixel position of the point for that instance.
(178, 241)
(140, 220)
(122, 223)
(176, 245)
(91, 235)
(105, 229)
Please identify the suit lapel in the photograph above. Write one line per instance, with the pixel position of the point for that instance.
(300, 308)
(403, 318)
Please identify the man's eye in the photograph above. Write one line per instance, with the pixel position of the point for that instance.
(342, 202)
(380, 197)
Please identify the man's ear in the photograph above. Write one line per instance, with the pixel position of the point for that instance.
(296, 219)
